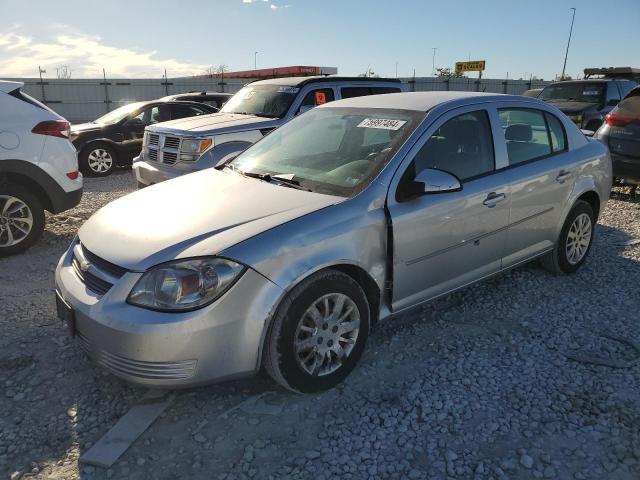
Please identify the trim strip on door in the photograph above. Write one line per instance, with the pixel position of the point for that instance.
(475, 239)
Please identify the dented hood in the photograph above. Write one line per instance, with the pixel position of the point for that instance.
(198, 214)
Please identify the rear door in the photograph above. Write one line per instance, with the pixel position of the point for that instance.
(442, 241)
(542, 174)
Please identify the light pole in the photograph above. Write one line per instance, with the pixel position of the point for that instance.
(396, 69)
(564, 66)
(433, 61)
(255, 60)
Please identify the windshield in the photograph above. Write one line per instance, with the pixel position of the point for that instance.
(118, 114)
(574, 92)
(272, 101)
(336, 151)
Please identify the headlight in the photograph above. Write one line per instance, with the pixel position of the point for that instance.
(185, 284)
(195, 146)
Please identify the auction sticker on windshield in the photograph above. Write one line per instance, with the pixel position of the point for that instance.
(384, 123)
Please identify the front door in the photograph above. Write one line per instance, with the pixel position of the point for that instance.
(442, 241)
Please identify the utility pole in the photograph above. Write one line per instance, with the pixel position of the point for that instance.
(396, 69)
(568, 43)
(433, 62)
(255, 60)
(41, 71)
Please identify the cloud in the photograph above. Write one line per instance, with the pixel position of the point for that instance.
(85, 55)
(272, 6)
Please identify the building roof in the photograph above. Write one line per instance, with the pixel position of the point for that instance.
(422, 101)
(300, 81)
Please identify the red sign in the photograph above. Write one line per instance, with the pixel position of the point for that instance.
(321, 98)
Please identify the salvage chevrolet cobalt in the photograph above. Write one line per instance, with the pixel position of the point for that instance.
(359, 209)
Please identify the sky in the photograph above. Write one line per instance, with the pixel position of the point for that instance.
(142, 38)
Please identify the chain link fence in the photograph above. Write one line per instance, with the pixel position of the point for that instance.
(80, 100)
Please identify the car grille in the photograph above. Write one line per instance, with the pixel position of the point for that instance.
(92, 281)
(171, 142)
(138, 368)
(169, 157)
(162, 149)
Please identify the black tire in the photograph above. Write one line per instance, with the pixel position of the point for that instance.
(279, 353)
(100, 149)
(557, 261)
(36, 210)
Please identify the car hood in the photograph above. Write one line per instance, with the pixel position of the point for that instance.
(574, 107)
(198, 214)
(215, 123)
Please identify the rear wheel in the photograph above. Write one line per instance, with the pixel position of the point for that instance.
(574, 242)
(21, 219)
(318, 334)
(97, 160)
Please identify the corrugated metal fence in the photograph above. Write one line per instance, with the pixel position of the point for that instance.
(81, 100)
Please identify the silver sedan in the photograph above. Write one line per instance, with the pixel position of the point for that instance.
(349, 214)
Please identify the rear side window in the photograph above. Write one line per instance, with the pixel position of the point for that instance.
(350, 92)
(184, 111)
(525, 132)
(381, 90)
(557, 133)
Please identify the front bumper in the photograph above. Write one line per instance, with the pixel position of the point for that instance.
(150, 174)
(170, 350)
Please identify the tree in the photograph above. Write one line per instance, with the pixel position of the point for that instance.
(444, 73)
(63, 72)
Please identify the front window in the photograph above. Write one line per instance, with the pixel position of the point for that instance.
(573, 92)
(336, 151)
(118, 114)
(272, 101)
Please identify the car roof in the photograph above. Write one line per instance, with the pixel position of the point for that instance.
(583, 80)
(201, 94)
(301, 81)
(7, 86)
(421, 101)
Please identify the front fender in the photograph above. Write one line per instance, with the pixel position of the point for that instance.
(221, 154)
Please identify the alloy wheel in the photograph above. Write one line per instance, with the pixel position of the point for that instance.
(100, 160)
(16, 220)
(578, 238)
(326, 334)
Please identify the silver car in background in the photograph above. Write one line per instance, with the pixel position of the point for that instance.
(352, 213)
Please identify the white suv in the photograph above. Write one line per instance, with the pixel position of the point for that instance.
(38, 168)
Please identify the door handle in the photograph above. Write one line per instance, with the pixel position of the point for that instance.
(563, 175)
(493, 199)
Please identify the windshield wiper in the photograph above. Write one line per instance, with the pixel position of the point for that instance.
(281, 178)
(289, 182)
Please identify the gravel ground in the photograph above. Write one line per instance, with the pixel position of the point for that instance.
(478, 385)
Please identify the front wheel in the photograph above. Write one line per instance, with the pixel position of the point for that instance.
(318, 334)
(21, 219)
(574, 242)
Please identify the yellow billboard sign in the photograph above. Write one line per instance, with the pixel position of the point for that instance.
(471, 66)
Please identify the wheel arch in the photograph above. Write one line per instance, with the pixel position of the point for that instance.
(31, 177)
(100, 141)
(357, 273)
(593, 199)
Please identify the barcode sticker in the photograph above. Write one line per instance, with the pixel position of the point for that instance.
(383, 123)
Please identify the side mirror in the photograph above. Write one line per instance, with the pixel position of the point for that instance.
(431, 180)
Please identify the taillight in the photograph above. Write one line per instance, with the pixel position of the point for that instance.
(72, 175)
(54, 128)
(618, 120)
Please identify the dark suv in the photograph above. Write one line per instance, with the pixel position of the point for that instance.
(115, 138)
(215, 99)
(586, 102)
(621, 133)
